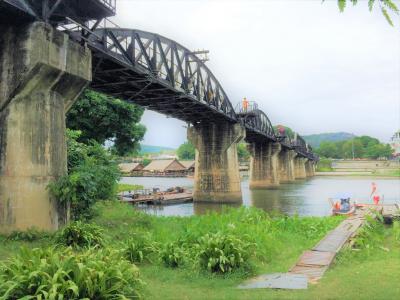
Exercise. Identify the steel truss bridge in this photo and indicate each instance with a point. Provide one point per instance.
(146, 68)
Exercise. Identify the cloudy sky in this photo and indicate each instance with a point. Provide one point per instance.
(307, 65)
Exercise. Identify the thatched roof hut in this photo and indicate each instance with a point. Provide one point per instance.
(189, 164)
(130, 167)
(167, 165)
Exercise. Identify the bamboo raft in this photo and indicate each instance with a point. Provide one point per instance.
(161, 198)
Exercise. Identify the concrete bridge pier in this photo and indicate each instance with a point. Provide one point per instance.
(42, 73)
(300, 167)
(310, 171)
(217, 177)
(264, 164)
(286, 165)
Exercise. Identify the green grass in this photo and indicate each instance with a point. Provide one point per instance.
(124, 187)
(370, 273)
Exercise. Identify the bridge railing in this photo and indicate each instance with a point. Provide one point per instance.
(246, 107)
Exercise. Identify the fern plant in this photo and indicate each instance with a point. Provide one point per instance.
(140, 248)
(54, 274)
(173, 255)
(222, 253)
(80, 235)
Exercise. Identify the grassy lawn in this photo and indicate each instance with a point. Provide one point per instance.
(373, 272)
(124, 187)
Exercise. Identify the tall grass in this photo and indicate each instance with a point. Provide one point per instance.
(273, 237)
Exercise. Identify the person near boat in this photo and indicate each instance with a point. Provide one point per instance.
(375, 195)
(342, 206)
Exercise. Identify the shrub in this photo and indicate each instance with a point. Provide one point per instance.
(140, 249)
(222, 252)
(93, 176)
(371, 235)
(80, 235)
(30, 235)
(52, 274)
(173, 255)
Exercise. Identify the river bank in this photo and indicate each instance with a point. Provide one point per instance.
(277, 241)
(365, 174)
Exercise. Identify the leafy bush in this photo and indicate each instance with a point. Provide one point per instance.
(30, 235)
(93, 176)
(222, 253)
(52, 274)
(140, 249)
(80, 235)
(173, 255)
(370, 235)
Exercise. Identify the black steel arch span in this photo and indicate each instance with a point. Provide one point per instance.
(155, 72)
(257, 125)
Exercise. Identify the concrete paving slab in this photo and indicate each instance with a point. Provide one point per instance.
(277, 281)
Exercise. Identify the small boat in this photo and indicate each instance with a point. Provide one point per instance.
(342, 207)
(339, 212)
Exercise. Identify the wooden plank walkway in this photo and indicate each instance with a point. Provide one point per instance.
(313, 263)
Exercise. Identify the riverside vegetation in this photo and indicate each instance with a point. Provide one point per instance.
(125, 254)
(111, 251)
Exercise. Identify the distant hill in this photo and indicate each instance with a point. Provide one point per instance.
(154, 149)
(315, 139)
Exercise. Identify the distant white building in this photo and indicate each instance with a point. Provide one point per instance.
(395, 143)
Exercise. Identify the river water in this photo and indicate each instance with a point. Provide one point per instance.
(304, 197)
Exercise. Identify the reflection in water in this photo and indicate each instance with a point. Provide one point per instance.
(305, 197)
(203, 208)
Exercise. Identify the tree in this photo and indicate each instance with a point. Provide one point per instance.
(360, 147)
(288, 131)
(384, 6)
(243, 152)
(92, 176)
(186, 151)
(353, 146)
(101, 118)
(328, 149)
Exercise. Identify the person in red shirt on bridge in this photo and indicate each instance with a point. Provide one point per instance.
(245, 104)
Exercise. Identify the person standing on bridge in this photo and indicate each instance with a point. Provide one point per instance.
(245, 104)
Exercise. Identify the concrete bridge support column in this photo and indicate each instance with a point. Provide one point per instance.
(286, 165)
(309, 168)
(216, 178)
(300, 167)
(42, 73)
(264, 164)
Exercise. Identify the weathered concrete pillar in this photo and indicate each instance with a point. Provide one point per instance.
(42, 73)
(309, 165)
(286, 165)
(300, 167)
(264, 164)
(216, 177)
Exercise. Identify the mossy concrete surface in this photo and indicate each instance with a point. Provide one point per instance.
(42, 73)
(217, 178)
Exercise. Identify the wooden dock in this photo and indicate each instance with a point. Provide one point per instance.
(313, 263)
(161, 199)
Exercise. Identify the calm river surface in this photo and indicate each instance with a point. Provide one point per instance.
(306, 197)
